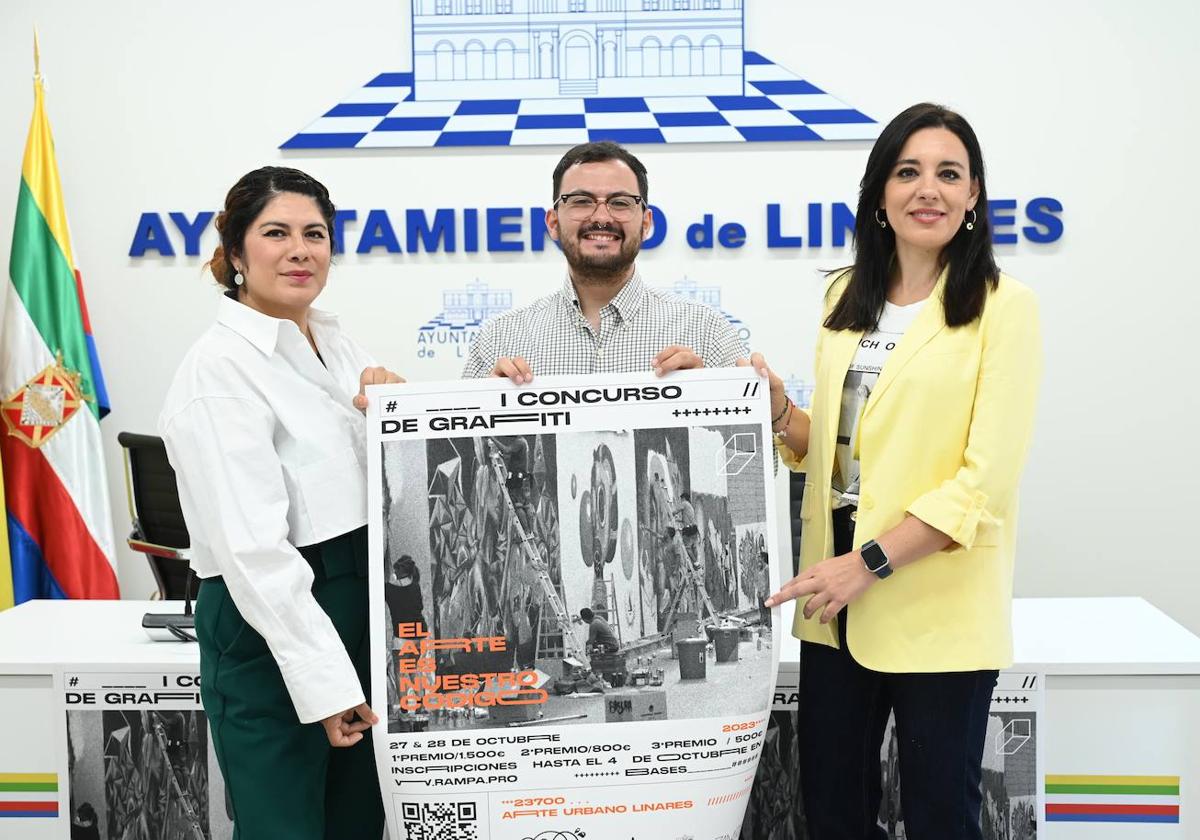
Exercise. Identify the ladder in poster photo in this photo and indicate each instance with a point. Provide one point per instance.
(550, 637)
(604, 593)
(571, 646)
(691, 579)
(549, 634)
(184, 800)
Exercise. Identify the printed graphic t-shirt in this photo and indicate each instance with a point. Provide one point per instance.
(873, 350)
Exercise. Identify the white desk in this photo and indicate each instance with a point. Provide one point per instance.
(1096, 636)
(38, 637)
(1122, 691)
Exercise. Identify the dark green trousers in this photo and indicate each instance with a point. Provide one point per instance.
(282, 777)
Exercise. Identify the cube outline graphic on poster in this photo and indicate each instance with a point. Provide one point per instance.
(739, 458)
(470, 497)
(1011, 734)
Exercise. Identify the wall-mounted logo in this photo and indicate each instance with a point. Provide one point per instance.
(709, 296)
(451, 331)
(562, 72)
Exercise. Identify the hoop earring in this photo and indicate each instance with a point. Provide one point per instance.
(238, 279)
(882, 222)
(971, 224)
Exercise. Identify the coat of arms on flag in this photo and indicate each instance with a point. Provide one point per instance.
(40, 407)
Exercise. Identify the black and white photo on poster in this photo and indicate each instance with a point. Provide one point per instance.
(774, 810)
(1012, 758)
(1010, 802)
(658, 533)
(138, 761)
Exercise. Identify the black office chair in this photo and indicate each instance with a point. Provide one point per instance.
(159, 531)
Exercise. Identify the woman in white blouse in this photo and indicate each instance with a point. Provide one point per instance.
(263, 427)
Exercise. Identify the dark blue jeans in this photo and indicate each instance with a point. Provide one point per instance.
(941, 723)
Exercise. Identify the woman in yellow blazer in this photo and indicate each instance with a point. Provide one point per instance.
(927, 368)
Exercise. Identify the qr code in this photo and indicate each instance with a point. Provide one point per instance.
(440, 820)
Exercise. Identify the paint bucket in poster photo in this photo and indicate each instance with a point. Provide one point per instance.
(725, 640)
(692, 664)
(687, 626)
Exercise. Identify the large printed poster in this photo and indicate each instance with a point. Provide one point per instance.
(138, 760)
(566, 579)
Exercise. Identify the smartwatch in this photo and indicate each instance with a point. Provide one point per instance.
(875, 559)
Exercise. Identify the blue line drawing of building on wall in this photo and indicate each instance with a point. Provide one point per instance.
(539, 49)
(451, 331)
(562, 72)
(471, 306)
(709, 296)
(800, 390)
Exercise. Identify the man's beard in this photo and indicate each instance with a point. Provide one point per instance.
(601, 269)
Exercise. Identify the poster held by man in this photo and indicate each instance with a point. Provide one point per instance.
(549, 560)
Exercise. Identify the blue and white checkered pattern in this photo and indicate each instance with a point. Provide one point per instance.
(440, 321)
(777, 106)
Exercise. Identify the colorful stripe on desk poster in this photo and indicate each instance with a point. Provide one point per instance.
(28, 795)
(1119, 799)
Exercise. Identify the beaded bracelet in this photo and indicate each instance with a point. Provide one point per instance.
(786, 420)
(787, 401)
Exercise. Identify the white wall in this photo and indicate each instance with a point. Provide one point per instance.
(162, 106)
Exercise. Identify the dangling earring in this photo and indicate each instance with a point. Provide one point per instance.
(971, 224)
(882, 222)
(238, 279)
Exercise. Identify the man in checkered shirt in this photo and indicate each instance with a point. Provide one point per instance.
(604, 319)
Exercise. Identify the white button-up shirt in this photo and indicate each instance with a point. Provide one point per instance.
(554, 337)
(270, 454)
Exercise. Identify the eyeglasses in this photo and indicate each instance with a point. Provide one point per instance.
(580, 206)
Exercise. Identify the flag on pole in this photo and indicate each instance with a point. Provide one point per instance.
(56, 497)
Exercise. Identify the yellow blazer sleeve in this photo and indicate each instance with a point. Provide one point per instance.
(1001, 421)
